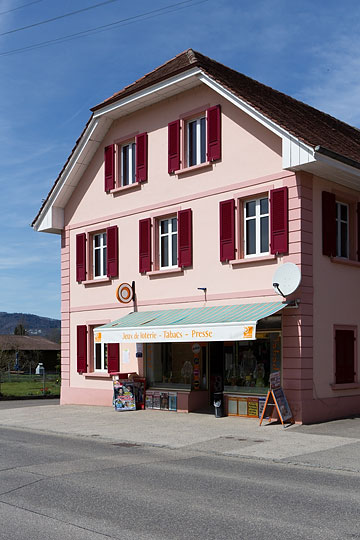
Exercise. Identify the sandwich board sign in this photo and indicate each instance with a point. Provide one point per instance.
(276, 400)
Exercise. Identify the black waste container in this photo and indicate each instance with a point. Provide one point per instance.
(219, 404)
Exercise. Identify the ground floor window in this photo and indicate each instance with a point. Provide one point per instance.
(100, 357)
(248, 364)
(173, 365)
(344, 356)
(235, 367)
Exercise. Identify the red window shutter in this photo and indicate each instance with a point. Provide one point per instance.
(344, 347)
(144, 245)
(109, 159)
(141, 157)
(112, 251)
(279, 220)
(329, 224)
(174, 146)
(185, 238)
(81, 257)
(113, 357)
(81, 344)
(358, 231)
(227, 230)
(214, 133)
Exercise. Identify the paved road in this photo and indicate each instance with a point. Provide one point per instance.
(56, 487)
(334, 445)
(26, 403)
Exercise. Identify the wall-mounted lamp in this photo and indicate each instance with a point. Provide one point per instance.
(204, 289)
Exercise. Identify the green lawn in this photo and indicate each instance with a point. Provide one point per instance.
(29, 385)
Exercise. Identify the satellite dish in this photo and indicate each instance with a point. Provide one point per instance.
(286, 279)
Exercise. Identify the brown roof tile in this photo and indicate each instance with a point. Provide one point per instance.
(308, 124)
(313, 127)
(26, 343)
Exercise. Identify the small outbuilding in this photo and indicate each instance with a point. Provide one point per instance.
(25, 352)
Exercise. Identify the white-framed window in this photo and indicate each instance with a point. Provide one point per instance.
(99, 255)
(100, 357)
(168, 243)
(127, 164)
(196, 141)
(342, 230)
(256, 227)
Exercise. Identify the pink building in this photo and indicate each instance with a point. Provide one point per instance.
(194, 185)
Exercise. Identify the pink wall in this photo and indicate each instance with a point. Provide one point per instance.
(297, 337)
(336, 302)
(251, 164)
(65, 311)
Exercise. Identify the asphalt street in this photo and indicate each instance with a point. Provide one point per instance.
(56, 487)
(75, 472)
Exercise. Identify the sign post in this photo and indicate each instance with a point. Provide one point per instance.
(276, 399)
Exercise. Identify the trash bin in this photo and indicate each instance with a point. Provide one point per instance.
(218, 404)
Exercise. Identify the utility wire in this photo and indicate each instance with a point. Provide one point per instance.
(122, 22)
(57, 18)
(20, 7)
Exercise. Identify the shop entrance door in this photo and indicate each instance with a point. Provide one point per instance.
(216, 369)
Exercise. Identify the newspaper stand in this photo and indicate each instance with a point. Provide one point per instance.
(276, 400)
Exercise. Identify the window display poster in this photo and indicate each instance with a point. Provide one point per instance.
(261, 405)
(124, 397)
(253, 407)
(233, 407)
(172, 401)
(242, 406)
(126, 356)
(275, 380)
(275, 352)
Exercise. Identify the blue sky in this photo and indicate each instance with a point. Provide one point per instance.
(306, 49)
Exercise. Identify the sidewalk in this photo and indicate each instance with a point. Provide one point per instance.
(332, 445)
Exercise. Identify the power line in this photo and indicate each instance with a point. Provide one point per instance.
(122, 22)
(58, 17)
(20, 7)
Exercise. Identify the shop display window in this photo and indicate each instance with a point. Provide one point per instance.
(171, 365)
(248, 364)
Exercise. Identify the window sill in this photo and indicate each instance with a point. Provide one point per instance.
(96, 281)
(124, 189)
(345, 386)
(250, 260)
(169, 388)
(193, 168)
(98, 375)
(165, 272)
(347, 262)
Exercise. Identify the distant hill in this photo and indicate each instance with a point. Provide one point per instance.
(33, 324)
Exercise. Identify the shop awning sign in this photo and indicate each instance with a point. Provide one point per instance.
(215, 323)
(178, 334)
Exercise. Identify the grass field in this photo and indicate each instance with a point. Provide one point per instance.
(22, 385)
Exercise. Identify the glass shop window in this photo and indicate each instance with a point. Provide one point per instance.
(248, 364)
(171, 365)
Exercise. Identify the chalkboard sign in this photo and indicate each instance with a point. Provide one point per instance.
(276, 399)
(282, 406)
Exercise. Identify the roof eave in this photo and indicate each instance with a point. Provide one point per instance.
(50, 220)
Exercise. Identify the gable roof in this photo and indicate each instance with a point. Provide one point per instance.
(10, 342)
(306, 123)
(320, 132)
